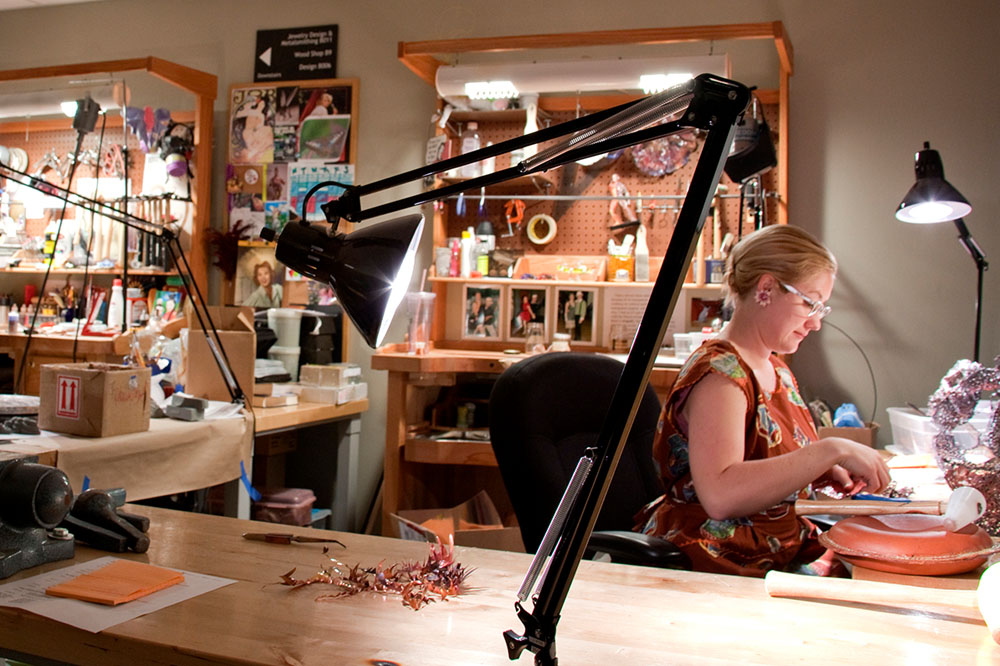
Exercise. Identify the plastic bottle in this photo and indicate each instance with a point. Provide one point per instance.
(466, 259)
(116, 306)
(641, 255)
(4, 313)
(470, 143)
(490, 163)
(530, 104)
(456, 259)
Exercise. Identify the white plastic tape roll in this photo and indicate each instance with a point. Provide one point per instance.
(532, 229)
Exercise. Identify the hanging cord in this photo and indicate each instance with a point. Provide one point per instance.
(90, 237)
(48, 269)
(871, 373)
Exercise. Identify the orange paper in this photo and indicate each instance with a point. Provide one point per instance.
(116, 583)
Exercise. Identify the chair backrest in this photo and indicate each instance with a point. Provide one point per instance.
(544, 412)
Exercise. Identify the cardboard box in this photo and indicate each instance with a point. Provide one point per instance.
(94, 399)
(866, 436)
(336, 374)
(239, 341)
(473, 523)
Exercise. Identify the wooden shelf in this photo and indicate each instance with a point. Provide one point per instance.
(449, 451)
(542, 181)
(92, 271)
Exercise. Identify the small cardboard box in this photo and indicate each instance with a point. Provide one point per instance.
(866, 436)
(336, 374)
(473, 523)
(93, 399)
(239, 341)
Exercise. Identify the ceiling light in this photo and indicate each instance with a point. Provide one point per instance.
(508, 80)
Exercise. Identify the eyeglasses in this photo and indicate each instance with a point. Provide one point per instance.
(816, 308)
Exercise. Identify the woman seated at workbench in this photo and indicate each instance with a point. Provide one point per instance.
(736, 445)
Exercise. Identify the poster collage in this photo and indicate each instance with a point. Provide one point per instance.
(509, 312)
(284, 139)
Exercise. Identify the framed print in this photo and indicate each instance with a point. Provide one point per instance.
(259, 278)
(251, 129)
(482, 312)
(575, 308)
(526, 306)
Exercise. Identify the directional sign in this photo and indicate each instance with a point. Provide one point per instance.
(67, 396)
(290, 54)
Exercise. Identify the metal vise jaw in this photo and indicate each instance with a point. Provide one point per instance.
(34, 499)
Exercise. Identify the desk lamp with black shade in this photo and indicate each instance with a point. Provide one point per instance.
(933, 199)
(708, 103)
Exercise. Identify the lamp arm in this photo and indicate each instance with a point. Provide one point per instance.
(717, 109)
(171, 241)
(593, 134)
(971, 245)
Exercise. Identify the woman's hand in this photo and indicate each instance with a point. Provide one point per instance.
(864, 467)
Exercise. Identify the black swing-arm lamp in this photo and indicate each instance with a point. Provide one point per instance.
(933, 199)
(708, 103)
(170, 240)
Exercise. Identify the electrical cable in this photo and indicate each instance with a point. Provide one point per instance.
(871, 372)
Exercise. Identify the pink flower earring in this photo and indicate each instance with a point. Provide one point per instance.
(763, 297)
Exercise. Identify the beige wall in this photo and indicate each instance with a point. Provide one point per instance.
(872, 81)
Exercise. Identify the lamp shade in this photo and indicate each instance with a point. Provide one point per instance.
(369, 269)
(932, 198)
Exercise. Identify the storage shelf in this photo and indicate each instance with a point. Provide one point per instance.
(542, 181)
(92, 271)
(449, 451)
(562, 283)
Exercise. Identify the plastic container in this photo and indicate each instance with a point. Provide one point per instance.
(289, 357)
(286, 323)
(116, 306)
(913, 433)
(420, 308)
(290, 506)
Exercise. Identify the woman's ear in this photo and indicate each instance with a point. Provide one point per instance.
(767, 282)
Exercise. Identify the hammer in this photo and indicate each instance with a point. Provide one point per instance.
(985, 599)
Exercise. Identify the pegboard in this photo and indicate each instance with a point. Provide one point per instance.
(61, 143)
(583, 225)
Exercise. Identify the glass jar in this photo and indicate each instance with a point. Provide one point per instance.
(534, 337)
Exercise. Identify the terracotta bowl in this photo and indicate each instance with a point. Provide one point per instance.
(908, 543)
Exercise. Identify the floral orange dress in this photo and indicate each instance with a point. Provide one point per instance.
(775, 423)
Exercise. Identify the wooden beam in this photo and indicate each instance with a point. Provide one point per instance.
(595, 38)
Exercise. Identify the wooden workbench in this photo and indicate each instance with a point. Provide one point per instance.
(58, 349)
(614, 614)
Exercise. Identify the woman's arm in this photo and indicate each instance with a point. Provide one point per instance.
(729, 486)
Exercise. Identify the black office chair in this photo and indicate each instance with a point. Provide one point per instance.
(544, 413)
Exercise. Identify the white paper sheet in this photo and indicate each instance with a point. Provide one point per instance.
(29, 594)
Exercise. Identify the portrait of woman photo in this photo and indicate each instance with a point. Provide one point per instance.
(527, 305)
(268, 292)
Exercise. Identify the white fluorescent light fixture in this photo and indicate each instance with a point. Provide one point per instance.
(505, 81)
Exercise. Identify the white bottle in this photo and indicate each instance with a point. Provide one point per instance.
(116, 306)
(466, 254)
(470, 143)
(641, 255)
(530, 103)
